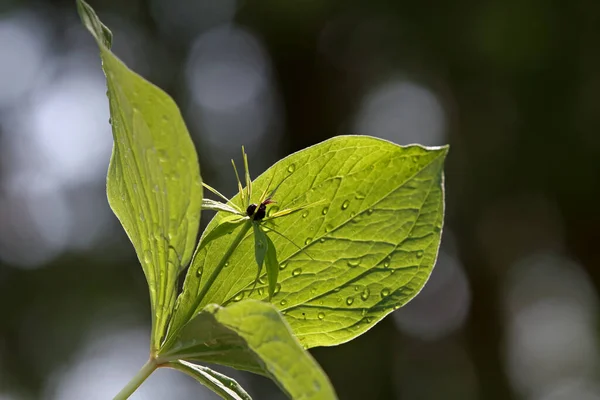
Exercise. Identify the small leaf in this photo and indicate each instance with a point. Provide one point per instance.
(153, 183)
(272, 266)
(208, 204)
(368, 241)
(260, 246)
(221, 384)
(251, 335)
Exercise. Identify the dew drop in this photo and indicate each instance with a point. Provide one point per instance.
(262, 280)
(345, 204)
(386, 262)
(356, 288)
(296, 272)
(337, 289)
(305, 214)
(365, 294)
(261, 291)
(321, 315)
(308, 240)
(325, 210)
(313, 290)
(352, 214)
(349, 301)
(291, 168)
(282, 266)
(364, 312)
(360, 196)
(199, 272)
(238, 296)
(368, 319)
(110, 121)
(328, 228)
(277, 289)
(385, 292)
(354, 263)
(370, 211)
(283, 302)
(226, 264)
(322, 240)
(420, 253)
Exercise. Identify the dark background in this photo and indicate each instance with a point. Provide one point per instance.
(511, 309)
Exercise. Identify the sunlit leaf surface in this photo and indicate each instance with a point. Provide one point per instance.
(153, 183)
(365, 247)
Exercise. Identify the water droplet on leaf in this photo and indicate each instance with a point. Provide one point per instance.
(283, 302)
(385, 292)
(325, 210)
(321, 315)
(386, 262)
(365, 294)
(291, 168)
(307, 241)
(282, 266)
(354, 263)
(345, 204)
(277, 289)
(238, 296)
(305, 214)
(349, 301)
(420, 253)
(296, 272)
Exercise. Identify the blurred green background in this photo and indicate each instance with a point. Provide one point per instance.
(511, 309)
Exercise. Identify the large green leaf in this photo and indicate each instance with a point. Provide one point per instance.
(366, 248)
(153, 183)
(252, 335)
(221, 384)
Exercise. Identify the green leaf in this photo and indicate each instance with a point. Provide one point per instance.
(272, 265)
(367, 247)
(252, 336)
(208, 204)
(153, 182)
(221, 384)
(260, 247)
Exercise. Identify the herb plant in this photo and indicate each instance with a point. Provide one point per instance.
(348, 231)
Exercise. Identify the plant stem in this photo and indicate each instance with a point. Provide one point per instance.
(137, 380)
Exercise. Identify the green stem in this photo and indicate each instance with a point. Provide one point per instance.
(137, 380)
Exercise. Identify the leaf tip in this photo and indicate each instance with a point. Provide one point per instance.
(90, 19)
